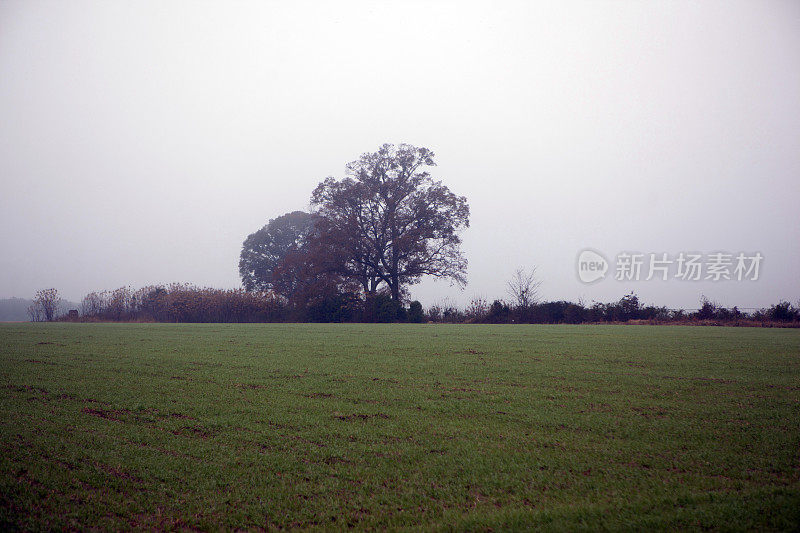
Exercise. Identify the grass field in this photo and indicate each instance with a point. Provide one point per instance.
(275, 426)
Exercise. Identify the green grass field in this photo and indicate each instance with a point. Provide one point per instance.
(275, 426)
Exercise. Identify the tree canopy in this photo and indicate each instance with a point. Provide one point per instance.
(382, 227)
(263, 250)
(391, 221)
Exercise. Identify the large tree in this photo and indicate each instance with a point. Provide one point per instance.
(263, 250)
(391, 222)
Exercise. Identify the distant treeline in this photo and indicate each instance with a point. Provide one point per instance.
(14, 309)
(627, 309)
(18, 309)
(188, 303)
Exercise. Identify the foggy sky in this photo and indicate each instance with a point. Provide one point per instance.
(141, 142)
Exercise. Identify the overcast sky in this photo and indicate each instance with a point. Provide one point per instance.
(141, 142)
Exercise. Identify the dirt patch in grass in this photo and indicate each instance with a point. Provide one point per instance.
(194, 431)
(333, 460)
(45, 395)
(181, 416)
(651, 412)
(27, 388)
(638, 465)
(308, 441)
(67, 396)
(107, 414)
(319, 395)
(118, 473)
(352, 417)
(358, 401)
(126, 415)
(597, 408)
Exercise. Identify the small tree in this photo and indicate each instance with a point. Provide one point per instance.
(119, 303)
(477, 309)
(35, 313)
(708, 309)
(46, 305)
(524, 288)
(629, 307)
(92, 305)
(435, 313)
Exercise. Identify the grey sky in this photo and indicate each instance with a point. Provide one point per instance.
(141, 142)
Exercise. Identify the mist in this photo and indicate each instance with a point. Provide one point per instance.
(140, 143)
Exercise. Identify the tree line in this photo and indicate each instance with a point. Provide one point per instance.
(188, 303)
(627, 309)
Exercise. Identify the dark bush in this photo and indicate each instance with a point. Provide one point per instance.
(573, 313)
(415, 313)
(707, 311)
(499, 313)
(332, 308)
(381, 308)
(783, 312)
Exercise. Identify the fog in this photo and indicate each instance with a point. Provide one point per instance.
(141, 142)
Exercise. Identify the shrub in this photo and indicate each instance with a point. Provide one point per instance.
(415, 313)
(707, 311)
(783, 312)
(477, 310)
(499, 312)
(381, 308)
(333, 308)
